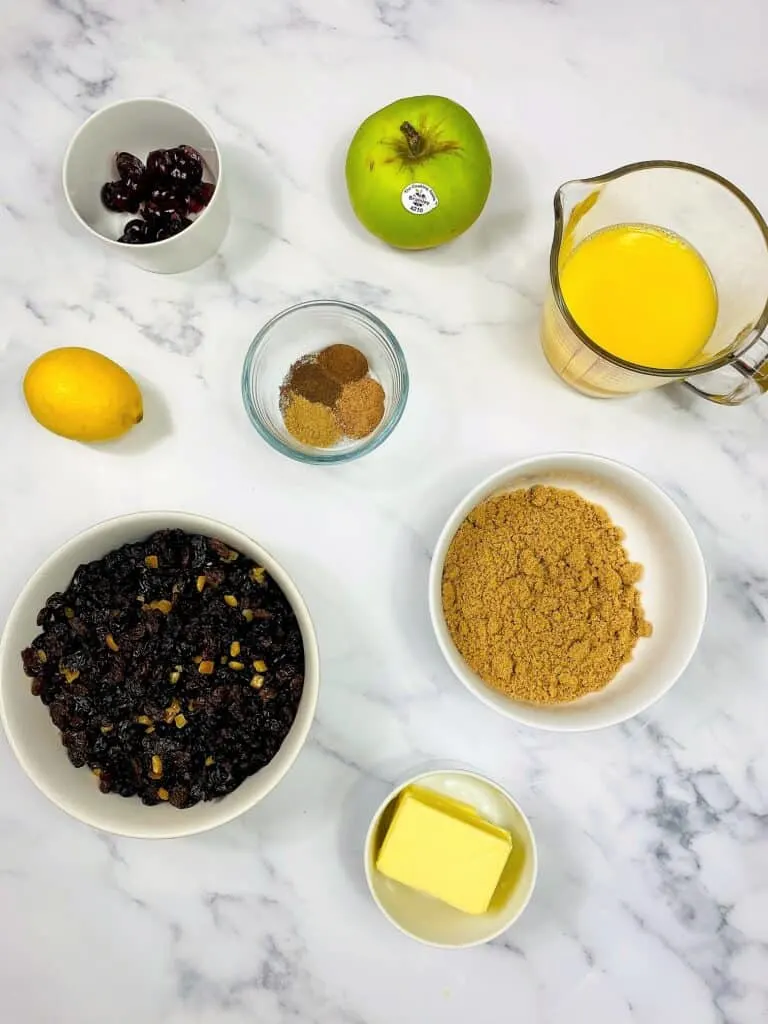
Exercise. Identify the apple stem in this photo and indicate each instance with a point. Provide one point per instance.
(413, 138)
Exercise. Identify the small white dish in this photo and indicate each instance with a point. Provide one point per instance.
(673, 588)
(138, 126)
(35, 740)
(430, 920)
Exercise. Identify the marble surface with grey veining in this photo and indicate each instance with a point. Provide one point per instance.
(652, 902)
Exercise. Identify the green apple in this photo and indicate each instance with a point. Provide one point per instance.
(418, 172)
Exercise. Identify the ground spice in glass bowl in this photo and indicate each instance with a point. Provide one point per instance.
(318, 411)
(359, 408)
(344, 363)
(308, 379)
(312, 423)
(316, 351)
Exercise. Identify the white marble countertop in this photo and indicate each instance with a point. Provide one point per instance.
(652, 903)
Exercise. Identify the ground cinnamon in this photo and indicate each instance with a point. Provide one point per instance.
(539, 595)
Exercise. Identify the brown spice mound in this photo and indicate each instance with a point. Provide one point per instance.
(310, 422)
(344, 363)
(539, 595)
(360, 407)
(309, 380)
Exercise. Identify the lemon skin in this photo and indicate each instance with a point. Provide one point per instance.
(82, 395)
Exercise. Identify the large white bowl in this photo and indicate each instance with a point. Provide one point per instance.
(673, 587)
(37, 743)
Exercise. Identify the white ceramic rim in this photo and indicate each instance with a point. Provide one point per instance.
(478, 494)
(218, 813)
(371, 834)
(147, 246)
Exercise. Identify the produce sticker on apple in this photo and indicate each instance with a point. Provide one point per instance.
(419, 198)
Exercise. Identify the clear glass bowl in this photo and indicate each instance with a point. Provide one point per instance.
(308, 327)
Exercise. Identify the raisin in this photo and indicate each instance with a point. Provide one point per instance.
(179, 796)
(30, 659)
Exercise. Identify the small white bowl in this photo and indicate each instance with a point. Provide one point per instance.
(430, 920)
(36, 742)
(138, 126)
(673, 587)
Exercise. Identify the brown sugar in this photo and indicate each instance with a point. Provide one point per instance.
(360, 407)
(539, 595)
(310, 422)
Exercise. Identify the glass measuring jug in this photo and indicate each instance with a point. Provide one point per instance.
(727, 231)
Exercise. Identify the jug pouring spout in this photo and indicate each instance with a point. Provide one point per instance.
(658, 273)
(573, 201)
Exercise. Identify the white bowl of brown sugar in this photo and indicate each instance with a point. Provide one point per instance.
(568, 592)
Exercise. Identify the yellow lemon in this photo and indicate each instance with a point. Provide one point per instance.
(82, 395)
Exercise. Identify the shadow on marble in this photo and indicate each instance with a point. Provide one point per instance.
(526, 356)
(298, 805)
(562, 885)
(153, 429)
(63, 220)
(683, 400)
(430, 426)
(504, 217)
(409, 601)
(357, 810)
(254, 209)
(63, 216)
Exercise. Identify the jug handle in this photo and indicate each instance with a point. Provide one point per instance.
(753, 367)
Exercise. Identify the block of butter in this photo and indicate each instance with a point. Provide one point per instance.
(444, 848)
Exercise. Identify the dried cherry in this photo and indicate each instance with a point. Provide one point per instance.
(120, 197)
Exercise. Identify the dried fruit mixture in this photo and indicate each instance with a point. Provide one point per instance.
(173, 668)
